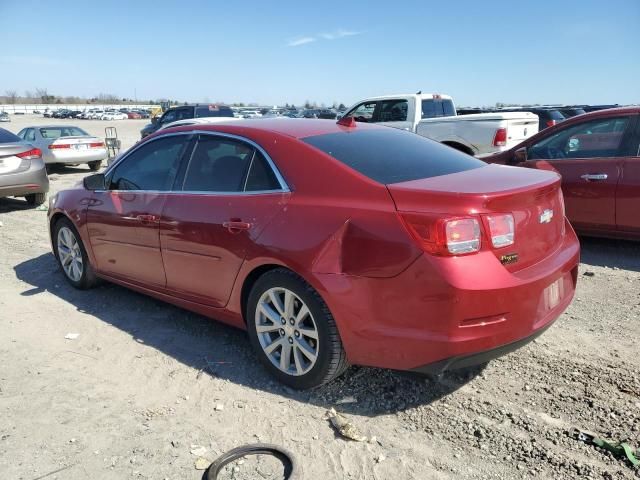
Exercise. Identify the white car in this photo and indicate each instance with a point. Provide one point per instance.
(434, 116)
(95, 115)
(250, 114)
(114, 116)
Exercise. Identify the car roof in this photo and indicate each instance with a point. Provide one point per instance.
(292, 127)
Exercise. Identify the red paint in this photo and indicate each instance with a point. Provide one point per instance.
(396, 305)
(606, 207)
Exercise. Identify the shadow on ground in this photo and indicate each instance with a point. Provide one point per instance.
(603, 252)
(222, 351)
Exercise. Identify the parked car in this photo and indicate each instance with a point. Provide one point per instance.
(133, 115)
(434, 116)
(250, 114)
(548, 117)
(310, 113)
(4, 117)
(65, 144)
(96, 115)
(569, 112)
(417, 257)
(74, 114)
(47, 113)
(327, 114)
(22, 170)
(113, 115)
(142, 113)
(62, 113)
(598, 156)
(185, 112)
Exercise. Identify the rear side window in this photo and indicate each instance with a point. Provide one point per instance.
(393, 111)
(213, 111)
(7, 137)
(432, 108)
(555, 115)
(389, 155)
(151, 167)
(30, 135)
(220, 164)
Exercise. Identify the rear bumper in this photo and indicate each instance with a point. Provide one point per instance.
(73, 156)
(478, 358)
(442, 310)
(34, 180)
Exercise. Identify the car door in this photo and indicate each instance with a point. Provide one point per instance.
(628, 193)
(588, 156)
(230, 191)
(124, 220)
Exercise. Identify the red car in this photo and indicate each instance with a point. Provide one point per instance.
(134, 115)
(598, 156)
(331, 243)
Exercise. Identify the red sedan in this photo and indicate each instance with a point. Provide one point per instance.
(598, 156)
(331, 243)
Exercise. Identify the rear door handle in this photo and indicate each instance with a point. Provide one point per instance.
(236, 226)
(594, 177)
(147, 218)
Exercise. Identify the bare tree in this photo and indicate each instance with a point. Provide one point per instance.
(43, 95)
(11, 95)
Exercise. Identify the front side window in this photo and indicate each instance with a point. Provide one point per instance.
(220, 164)
(169, 116)
(393, 111)
(363, 112)
(151, 167)
(593, 139)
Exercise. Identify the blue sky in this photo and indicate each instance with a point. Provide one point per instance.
(480, 52)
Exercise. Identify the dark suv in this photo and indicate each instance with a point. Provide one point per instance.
(185, 112)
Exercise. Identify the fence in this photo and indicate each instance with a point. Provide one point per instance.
(20, 108)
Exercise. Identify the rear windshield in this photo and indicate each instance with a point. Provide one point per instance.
(389, 155)
(7, 137)
(213, 111)
(437, 108)
(57, 132)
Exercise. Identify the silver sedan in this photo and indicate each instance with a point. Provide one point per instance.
(22, 171)
(66, 144)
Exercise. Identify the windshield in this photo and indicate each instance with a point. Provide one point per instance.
(57, 132)
(388, 155)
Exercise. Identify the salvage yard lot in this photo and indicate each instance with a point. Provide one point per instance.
(144, 381)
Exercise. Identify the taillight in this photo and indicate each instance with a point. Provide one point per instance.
(500, 138)
(96, 145)
(501, 229)
(30, 154)
(444, 236)
(551, 123)
(56, 146)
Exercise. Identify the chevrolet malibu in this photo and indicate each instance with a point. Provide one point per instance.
(330, 243)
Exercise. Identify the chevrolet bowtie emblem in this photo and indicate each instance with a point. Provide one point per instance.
(546, 216)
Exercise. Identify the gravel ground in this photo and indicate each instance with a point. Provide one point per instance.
(146, 384)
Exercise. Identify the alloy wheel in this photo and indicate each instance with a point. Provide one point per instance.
(70, 254)
(287, 331)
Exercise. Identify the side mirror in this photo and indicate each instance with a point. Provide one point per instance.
(95, 182)
(520, 155)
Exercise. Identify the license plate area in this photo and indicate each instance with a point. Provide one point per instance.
(553, 294)
(81, 146)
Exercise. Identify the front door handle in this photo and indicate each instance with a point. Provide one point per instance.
(594, 177)
(147, 218)
(236, 226)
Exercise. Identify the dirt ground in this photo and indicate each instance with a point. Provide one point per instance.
(145, 384)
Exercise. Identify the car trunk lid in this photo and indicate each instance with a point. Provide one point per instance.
(533, 197)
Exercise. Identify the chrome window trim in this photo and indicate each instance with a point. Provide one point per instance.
(284, 187)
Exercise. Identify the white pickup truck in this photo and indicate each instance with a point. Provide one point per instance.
(434, 116)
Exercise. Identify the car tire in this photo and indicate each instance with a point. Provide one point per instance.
(36, 199)
(309, 339)
(95, 165)
(86, 277)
